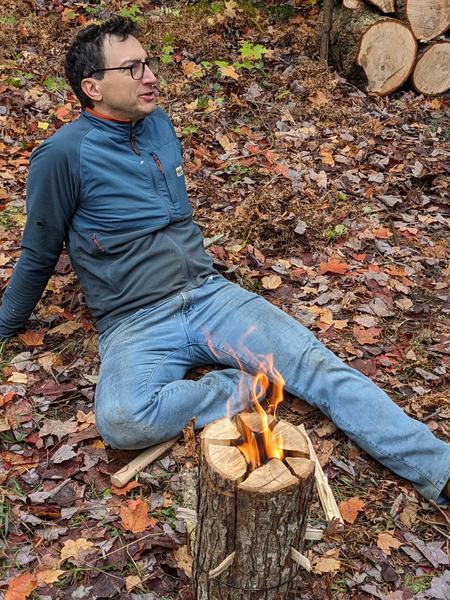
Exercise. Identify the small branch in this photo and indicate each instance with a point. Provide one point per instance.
(326, 29)
(222, 567)
(300, 559)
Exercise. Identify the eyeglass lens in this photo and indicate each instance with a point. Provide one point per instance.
(137, 71)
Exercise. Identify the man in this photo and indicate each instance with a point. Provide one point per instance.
(110, 185)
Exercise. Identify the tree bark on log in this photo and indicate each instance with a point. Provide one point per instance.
(427, 18)
(431, 74)
(371, 50)
(247, 526)
(386, 6)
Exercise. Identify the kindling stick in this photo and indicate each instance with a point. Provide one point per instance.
(123, 476)
(326, 495)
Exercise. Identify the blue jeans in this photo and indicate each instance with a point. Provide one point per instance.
(142, 398)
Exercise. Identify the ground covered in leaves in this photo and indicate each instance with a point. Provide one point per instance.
(331, 204)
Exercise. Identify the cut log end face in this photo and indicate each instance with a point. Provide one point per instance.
(432, 71)
(226, 459)
(428, 18)
(386, 6)
(387, 54)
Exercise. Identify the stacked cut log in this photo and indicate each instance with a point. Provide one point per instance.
(379, 44)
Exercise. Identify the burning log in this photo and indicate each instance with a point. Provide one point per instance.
(255, 484)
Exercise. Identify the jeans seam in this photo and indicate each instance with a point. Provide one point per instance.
(159, 363)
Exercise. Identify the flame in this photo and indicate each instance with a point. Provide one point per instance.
(259, 446)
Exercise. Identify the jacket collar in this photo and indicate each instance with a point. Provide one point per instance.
(116, 128)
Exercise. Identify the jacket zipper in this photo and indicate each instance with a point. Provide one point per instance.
(158, 163)
(133, 141)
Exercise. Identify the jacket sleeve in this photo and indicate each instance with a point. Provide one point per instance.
(52, 196)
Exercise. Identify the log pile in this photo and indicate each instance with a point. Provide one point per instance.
(379, 44)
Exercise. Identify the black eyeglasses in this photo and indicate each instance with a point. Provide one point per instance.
(137, 68)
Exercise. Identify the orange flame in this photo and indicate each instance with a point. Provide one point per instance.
(259, 446)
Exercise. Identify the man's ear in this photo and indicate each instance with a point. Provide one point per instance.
(92, 88)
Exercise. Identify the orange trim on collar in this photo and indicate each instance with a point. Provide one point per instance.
(106, 117)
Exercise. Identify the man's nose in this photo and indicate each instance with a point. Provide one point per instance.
(148, 76)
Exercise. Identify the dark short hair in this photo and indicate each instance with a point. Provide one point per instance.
(85, 55)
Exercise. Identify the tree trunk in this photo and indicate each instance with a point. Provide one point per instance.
(431, 74)
(386, 6)
(248, 525)
(372, 51)
(427, 18)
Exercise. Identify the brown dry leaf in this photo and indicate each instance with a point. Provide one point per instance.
(271, 282)
(328, 563)
(325, 452)
(386, 541)
(4, 259)
(32, 338)
(327, 157)
(404, 303)
(326, 428)
(49, 576)
(85, 419)
(65, 328)
(135, 516)
(48, 361)
(123, 491)
(58, 428)
(408, 515)
(366, 336)
(184, 559)
(191, 69)
(73, 548)
(382, 233)
(229, 71)
(131, 582)
(227, 145)
(18, 378)
(350, 509)
(339, 268)
(20, 587)
(318, 98)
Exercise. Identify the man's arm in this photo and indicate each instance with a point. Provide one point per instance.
(52, 193)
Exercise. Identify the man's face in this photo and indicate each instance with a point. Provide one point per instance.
(121, 96)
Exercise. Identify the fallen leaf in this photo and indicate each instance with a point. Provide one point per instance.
(123, 491)
(32, 338)
(191, 69)
(65, 328)
(386, 541)
(366, 336)
(382, 233)
(135, 516)
(49, 576)
(18, 378)
(328, 563)
(131, 582)
(58, 428)
(184, 559)
(318, 98)
(63, 453)
(334, 267)
(229, 71)
(271, 282)
(88, 418)
(350, 509)
(20, 587)
(73, 548)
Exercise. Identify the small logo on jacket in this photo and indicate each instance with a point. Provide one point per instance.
(179, 171)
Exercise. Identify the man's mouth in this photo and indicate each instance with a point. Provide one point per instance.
(149, 96)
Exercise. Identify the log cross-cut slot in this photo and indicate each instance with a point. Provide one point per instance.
(250, 523)
(387, 53)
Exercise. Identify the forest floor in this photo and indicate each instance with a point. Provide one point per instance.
(331, 204)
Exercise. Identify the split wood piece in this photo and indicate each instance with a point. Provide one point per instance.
(354, 4)
(386, 6)
(228, 461)
(431, 74)
(259, 519)
(253, 422)
(374, 52)
(427, 18)
(324, 490)
(123, 475)
(291, 439)
(222, 432)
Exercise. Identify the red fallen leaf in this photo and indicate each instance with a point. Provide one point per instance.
(32, 338)
(63, 113)
(350, 508)
(123, 491)
(334, 267)
(366, 336)
(395, 271)
(382, 233)
(135, 516)
(6, 398)
(21, 587)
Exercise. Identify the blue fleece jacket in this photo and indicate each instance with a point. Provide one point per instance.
(115, 194)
